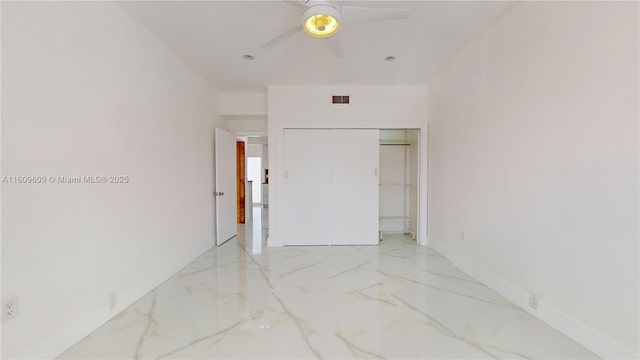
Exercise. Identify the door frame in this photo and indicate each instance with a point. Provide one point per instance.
(276, 150)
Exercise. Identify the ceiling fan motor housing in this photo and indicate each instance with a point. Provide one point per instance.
(321, 11)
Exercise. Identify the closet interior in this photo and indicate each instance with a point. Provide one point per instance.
(398, 181)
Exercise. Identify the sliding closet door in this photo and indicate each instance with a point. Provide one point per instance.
(355, 186)
(306, 207)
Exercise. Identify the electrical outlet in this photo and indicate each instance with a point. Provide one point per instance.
(533, 302)
(9, 309)
(113, 301)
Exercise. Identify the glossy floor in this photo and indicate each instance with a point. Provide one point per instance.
(396, 300)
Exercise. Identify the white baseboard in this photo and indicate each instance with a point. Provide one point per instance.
(58, 343)
(588, 337)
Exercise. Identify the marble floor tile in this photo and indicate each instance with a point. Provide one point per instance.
(395, 300)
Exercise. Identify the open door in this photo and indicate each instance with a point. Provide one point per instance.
(225, 185)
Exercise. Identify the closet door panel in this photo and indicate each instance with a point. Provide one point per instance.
(306, 207)
(355, 187)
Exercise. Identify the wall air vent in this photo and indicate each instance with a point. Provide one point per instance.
(340, 99)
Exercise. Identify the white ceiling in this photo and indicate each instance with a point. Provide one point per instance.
(213, 36)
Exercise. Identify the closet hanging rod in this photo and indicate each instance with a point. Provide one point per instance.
(395, 144)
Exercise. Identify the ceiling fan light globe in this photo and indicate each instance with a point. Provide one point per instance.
(321, 20)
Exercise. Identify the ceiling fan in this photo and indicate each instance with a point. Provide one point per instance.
(323, 18)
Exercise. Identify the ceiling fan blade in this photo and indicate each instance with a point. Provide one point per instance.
(301, 4)
(356, 14)
(336, 46)
(282, 37)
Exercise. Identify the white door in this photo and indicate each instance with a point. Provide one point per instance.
(306, 203)
(355, 186)
(225, 185)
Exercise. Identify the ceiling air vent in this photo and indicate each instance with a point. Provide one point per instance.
(340, 99)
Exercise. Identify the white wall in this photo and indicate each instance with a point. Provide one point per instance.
(534, 155)
(370, 107)
(243, 104)
(247, 126)
(89, 91)
(254, 150)
(245, 113)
